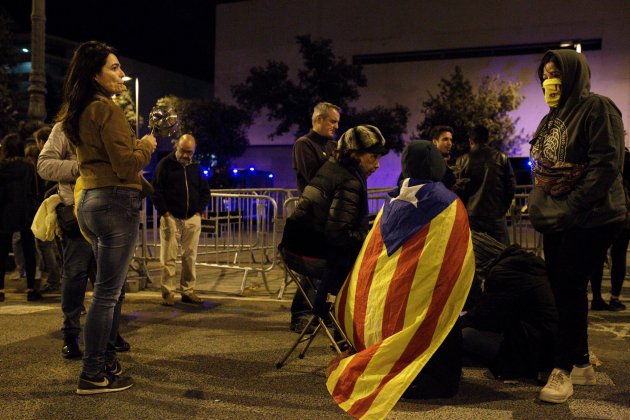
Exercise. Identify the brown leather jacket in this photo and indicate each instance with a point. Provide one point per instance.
(109, 153)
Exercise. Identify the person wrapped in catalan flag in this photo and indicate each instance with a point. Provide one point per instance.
(405, 292)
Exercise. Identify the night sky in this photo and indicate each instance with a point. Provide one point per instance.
(177, 38)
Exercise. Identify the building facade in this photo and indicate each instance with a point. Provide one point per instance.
(407, 46)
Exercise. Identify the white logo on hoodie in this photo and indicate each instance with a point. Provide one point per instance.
(554, 142)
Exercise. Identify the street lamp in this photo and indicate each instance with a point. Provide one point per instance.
(137, 94)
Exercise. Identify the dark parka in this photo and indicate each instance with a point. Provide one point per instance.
(517, 302)
(585, 129)
(18, 194)
(178, 189)
(331, 218)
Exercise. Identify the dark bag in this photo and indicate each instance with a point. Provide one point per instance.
(66, 219)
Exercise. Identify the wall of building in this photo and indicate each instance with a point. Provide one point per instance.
(249, 33)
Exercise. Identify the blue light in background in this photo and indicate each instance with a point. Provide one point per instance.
(251, 169)
(529, 163)
(205, 172)
(235, 171)
(270, 175)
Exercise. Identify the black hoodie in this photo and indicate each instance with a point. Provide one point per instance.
(583, 139)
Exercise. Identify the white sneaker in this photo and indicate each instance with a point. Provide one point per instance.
(558, 389)
(583, 376)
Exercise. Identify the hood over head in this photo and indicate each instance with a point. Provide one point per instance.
(576, 74)
(422, 160)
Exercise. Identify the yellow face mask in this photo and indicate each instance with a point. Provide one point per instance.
(552, 88)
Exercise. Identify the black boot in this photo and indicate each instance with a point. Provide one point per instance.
(70, 349)
(121, 344)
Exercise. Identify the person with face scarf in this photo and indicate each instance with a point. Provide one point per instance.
(180, 195)
(577, 203)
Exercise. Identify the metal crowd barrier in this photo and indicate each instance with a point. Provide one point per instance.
(521, 230)
(242, 227)
(238, 232)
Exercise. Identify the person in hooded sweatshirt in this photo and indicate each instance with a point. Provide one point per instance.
(577, 203)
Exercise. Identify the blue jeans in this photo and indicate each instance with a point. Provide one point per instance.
(109, 217)
(78, 265)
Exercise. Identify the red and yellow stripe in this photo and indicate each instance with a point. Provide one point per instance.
(398, 310)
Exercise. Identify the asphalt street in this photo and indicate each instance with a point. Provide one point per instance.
(217, 361)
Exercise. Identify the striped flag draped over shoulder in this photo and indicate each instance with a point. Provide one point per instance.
(403, 296)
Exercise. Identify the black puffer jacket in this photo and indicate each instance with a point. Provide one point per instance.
(490, 188)
(331, 217)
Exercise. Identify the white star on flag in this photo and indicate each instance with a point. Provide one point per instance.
(408, 193)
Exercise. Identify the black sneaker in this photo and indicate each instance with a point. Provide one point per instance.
(70, 349)
(115, 368)
(33, 295)
(121, 344)
(102, 383)
(615, 305)
(599, 305)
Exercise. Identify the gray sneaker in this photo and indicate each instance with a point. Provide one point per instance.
(558, 389)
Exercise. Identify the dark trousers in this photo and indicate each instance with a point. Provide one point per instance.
(48, 264)
(441, 375)
(299, 307)
(28, 246)
(78, 265)
(618, 251)
(313, 270)
(570, 258)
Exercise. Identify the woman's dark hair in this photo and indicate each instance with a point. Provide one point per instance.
(79, 85)
(548, 57)
(11, 146)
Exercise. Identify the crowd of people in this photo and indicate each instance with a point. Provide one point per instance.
(524, 317)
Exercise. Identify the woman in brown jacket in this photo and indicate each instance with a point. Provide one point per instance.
(110, 160)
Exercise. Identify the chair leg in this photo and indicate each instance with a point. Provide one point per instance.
(303, 337)
(320, 324)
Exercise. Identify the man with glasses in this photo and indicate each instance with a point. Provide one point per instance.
(181, 195)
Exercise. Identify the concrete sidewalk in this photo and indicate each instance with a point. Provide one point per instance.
(217, 361)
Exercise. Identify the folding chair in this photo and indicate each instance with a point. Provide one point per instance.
(308, 269)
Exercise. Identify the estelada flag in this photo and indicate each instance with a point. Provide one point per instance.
(402, 297)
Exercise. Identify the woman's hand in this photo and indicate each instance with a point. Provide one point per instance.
(150, 138)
